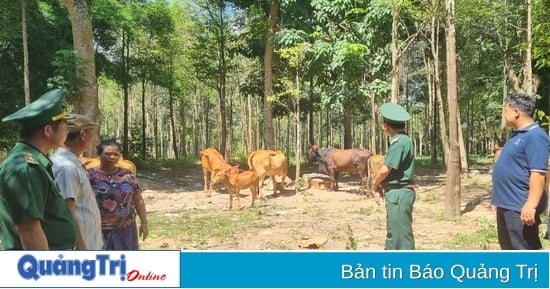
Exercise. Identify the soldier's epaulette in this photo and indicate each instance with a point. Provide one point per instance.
(29, 158)
(395, 139)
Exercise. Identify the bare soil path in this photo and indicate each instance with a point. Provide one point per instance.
(318, 218)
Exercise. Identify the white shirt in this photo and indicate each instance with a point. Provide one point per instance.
(72, 178)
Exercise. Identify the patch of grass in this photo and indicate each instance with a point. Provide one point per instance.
(366, 211)
(430, 197)
(200, 226)
(482, 159)
(441, 216)
(351, 243)
(483, 238)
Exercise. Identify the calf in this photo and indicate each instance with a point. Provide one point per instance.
(212, 162)
(235, 181)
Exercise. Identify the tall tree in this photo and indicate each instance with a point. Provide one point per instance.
(86, 102)
(268, 75)
(452, 189)
(25, 52)
(525, 80)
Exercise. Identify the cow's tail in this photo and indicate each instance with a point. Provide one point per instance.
(250, 164)
(370, 170)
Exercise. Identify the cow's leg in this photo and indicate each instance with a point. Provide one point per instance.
(260, 184)
(230, 199)
(211, 184)
(335, 185)
(205, 174)
(238, 191)
(252, 191)
(275, 185)
(363, 184)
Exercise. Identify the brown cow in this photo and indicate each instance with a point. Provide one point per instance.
(212, 162)
(333, 161)
(236, 180)
(122, 163)
(269, 163)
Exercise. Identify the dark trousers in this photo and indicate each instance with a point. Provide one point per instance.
(399, 208)
(514, 235)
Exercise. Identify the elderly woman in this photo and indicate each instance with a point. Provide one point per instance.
(119, 198)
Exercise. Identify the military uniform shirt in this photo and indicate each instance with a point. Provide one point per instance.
(400, 157)
(29, 191)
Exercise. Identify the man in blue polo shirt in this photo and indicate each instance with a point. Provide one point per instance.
(519, 177)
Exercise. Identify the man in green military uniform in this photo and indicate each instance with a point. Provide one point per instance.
(33, 213)
(394, 181)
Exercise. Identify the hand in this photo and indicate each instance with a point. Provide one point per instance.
(143, 231)
(376, 188)
(378, 198)
(527, 215)
(80, 245)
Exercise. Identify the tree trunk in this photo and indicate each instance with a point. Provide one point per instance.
(526, 81)
(172, 136)
(86, 102)
(461, 144)
(452, 190)
(395, 53)
(268, 76)
(250, 131)
(440, 104)
(221, 84)
(431, 107)
(298, 134)
(25, 52)
(126, 89)
(143, 120)
(83, 41)
(347, 126)
(310, 116)
(373, 125)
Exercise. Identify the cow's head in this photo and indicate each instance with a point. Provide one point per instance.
(313, 154)
(219, 176)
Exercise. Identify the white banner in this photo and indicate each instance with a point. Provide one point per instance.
(105, 269)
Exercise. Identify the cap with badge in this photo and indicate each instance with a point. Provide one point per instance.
(394, 113)
(45, 109)
(78, 122)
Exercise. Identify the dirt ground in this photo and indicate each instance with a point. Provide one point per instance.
(317, 217)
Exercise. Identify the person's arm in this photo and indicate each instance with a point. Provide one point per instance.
(80, 244)
(378, 179)
(140, 209)
(537, 182)
(31, 235)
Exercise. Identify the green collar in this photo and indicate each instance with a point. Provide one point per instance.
(34, 155)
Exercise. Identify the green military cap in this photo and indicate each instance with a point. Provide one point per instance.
(394, 113)
(45, 109)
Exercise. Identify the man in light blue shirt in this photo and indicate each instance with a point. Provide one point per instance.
(73, 181)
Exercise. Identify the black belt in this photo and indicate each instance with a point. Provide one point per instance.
(399, 186)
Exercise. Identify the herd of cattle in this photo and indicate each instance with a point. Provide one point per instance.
(273, 163)
(261, 163)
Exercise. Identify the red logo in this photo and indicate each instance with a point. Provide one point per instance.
(135, 275)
